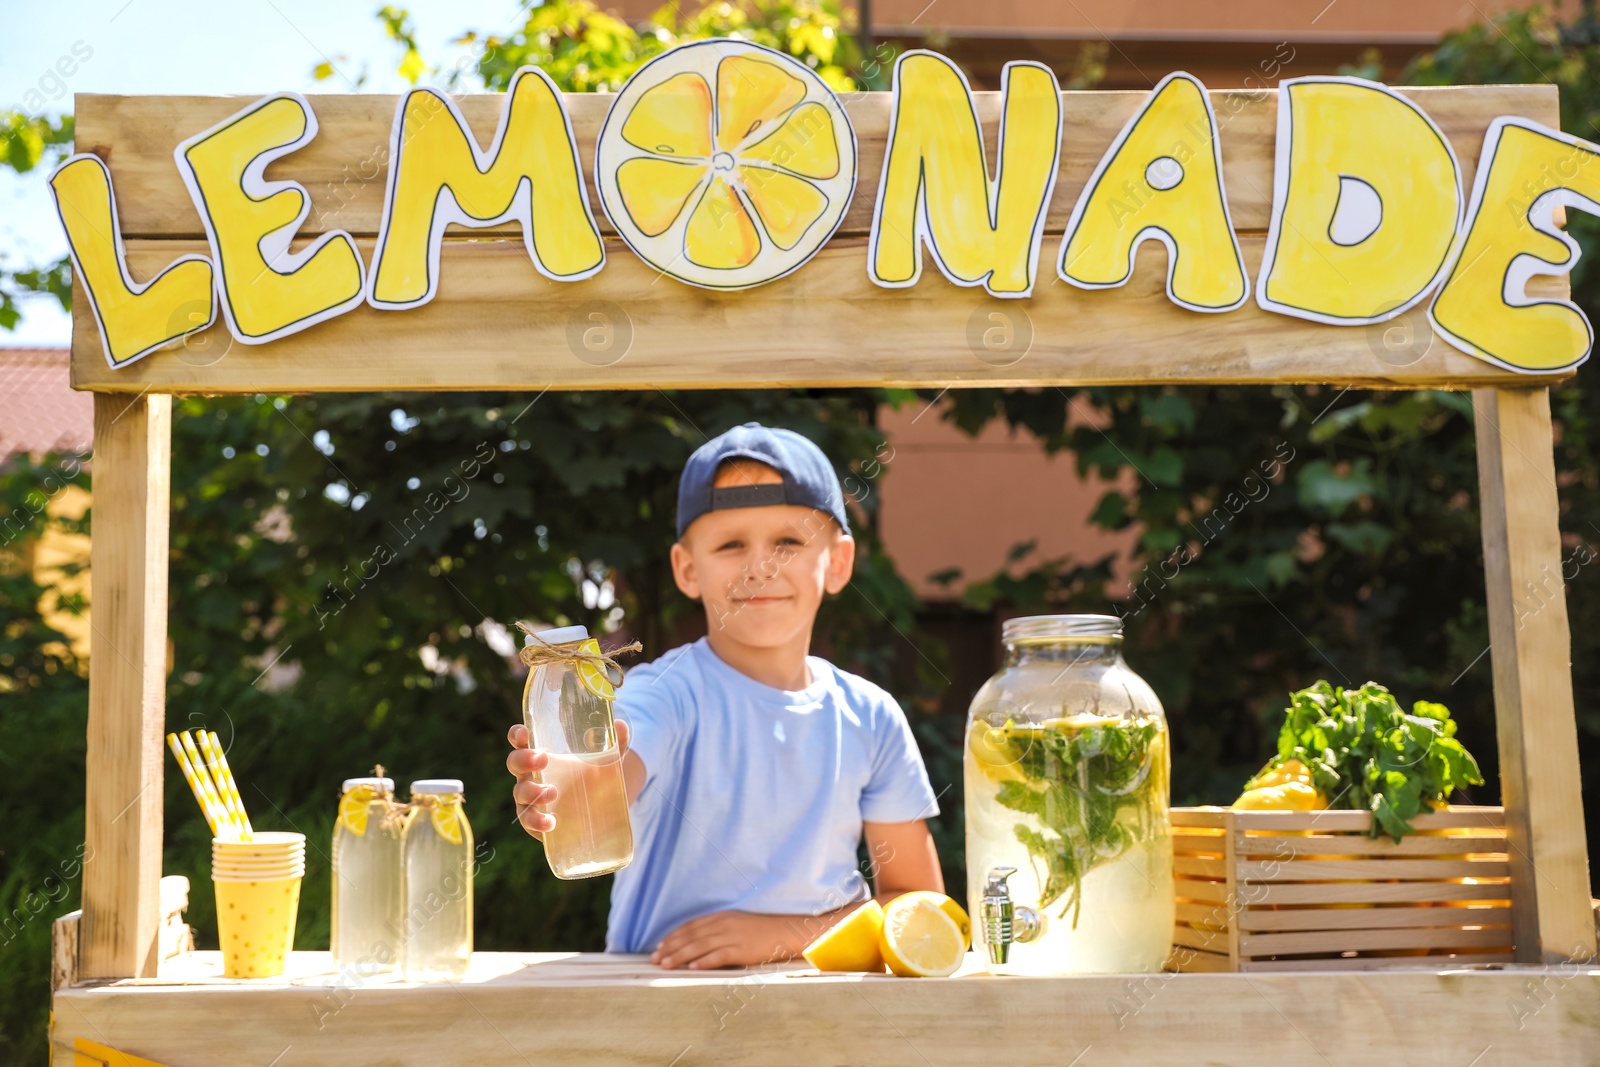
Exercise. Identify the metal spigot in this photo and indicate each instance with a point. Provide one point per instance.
(1003, 921)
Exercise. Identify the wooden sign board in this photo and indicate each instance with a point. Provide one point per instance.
(498, 324)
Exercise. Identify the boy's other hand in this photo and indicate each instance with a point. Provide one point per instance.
(528, 795)
(733, 939)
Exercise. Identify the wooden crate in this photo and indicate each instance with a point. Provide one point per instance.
(1280, 891)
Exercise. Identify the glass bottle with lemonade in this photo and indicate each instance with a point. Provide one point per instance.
(566, 706)
(368, 898)
(437, 850)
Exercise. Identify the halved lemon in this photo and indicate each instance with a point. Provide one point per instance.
(851, 944)
(725, 164)
(957, 913)
(593, 675)
(447, 821)
(920, 939)
(353, 807)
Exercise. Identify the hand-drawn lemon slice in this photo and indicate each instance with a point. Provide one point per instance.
(725, 164)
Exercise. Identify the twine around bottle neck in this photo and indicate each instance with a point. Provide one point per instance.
(539, 653)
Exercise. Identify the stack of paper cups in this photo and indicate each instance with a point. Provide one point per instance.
(258, 895)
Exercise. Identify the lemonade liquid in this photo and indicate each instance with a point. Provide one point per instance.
(438, 861)
(368, 897)
(566, 707)
(1079, 807)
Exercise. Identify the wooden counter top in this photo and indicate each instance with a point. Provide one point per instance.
(590, 1008)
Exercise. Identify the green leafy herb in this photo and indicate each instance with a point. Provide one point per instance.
(1081, 781)
(1366, 754)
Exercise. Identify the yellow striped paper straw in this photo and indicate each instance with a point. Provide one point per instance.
(194, 783)
(213, 748)
(227, 829)
(203, 741)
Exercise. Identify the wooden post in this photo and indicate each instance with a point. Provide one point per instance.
(127, 687)
(1532, 657)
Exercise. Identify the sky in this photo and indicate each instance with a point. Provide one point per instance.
(246, 47)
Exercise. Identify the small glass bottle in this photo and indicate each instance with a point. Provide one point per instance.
(567, 710)
(1069, 848)
(368, 902)
(437, 852)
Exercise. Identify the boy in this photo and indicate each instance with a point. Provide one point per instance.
(752, 768)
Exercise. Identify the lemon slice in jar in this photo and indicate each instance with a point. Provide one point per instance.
(353, 808)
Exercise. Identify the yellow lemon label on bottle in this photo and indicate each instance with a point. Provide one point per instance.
(725, 164)
(594, 674)
(353, 807)
(447, 821)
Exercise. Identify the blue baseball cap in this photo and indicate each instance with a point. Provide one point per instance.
(808, 477)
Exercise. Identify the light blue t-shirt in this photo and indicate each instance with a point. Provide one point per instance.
(754, 797)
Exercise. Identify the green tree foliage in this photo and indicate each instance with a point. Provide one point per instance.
(43, 695)
(27, 143)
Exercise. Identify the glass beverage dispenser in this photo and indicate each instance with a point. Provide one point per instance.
(1069, 850)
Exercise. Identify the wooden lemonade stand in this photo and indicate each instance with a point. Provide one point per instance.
(496, 324)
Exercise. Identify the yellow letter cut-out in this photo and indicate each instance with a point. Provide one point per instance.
(935, 188)
(267, 291)
(1525, 171)
(134, 319)
(1366, 199)
(439, 175)
(1160, 180)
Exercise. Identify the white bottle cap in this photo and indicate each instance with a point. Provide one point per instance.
(385, 784)
(437, 786)
(561, 635)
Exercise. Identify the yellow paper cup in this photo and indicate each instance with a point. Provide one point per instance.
(256, 874)
(267, 843)
(255, 924)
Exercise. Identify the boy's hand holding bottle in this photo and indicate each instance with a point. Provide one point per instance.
(524, 762)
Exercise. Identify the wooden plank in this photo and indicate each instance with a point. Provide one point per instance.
(1200, 867)
(64, 950)
(1203, 915)
(1362, 870)
(127, 687)
(346, 168)
(1374, 893)
(1531, 652)
(1251, 945)
(1193, 961)
(1353, 845)
(1433, 961)
(498, 324)
(511, 1015)
(1207, 940)
(1259, 920)
(1477, 816)
(1191, 889)
(1198, 818)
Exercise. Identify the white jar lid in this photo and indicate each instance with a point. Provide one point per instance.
(561, 635)
(437, 786)
(385, 784)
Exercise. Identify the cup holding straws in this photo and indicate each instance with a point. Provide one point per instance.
(256, 875)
